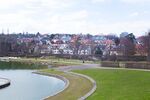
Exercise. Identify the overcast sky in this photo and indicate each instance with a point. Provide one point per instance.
(75, 16)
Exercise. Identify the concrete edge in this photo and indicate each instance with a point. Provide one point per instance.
(91, 91)
(66, 81)
(5, 84)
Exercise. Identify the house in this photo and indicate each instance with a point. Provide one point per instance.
(37, 49)
(56, 51)
(84, 50)
(63, 46)
(45, 49)
(68, 51)
(99, 39)
(65, 38)
(123, 34)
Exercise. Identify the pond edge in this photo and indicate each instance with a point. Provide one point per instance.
(66, 81)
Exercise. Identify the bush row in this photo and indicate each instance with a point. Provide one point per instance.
(20, 65)
(138, 65)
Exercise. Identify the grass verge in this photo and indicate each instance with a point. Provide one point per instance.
(78, 86)
(119, 84)
(53, 62)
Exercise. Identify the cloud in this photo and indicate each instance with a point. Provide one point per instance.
(97, 1)
(139, 14)
(8, 3)
(64, 16)
(75, 16)
(134, 14)
(136, 27)
(134, 1)
(19, 15)
(68, 22)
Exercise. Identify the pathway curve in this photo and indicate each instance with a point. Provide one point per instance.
(67, 69)
(90, 66)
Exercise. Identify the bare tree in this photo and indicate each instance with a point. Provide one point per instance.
(145, 43)
(148, 46)
(127, 45)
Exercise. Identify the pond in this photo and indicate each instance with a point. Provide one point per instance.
(28, 86)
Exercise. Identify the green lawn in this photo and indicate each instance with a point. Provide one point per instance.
(52, 61)
(119, 84)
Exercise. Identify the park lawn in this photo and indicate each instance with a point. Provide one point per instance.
(78, 86)
(119, 84)
(55, 62)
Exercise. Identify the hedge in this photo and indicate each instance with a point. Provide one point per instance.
(138, 65)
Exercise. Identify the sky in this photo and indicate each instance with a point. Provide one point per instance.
(75, 16)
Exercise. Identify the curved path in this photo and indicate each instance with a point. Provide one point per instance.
(78, 87)
(90, 66)
(78, 77)
(93, 89)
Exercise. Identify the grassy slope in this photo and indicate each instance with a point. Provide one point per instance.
(78, 86)
(119, 84)
(52, 61)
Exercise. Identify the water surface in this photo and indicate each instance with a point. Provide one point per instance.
(28, 86)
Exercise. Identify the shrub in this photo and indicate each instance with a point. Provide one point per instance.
(109, 64)
(138, 65)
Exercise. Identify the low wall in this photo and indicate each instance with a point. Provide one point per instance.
(139, 65)
(109, 64)
(131, 58)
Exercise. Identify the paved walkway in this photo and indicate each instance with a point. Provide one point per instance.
(90, 66)
(67, 70)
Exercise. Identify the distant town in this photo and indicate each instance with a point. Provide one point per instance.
(101, 46)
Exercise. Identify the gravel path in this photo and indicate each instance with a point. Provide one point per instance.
(67, 69)
(90, 66)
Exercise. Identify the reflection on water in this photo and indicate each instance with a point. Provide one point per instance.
(28, 86)
(20, 65)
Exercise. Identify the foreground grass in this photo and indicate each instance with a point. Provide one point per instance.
(119, 84)
(78, 86)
